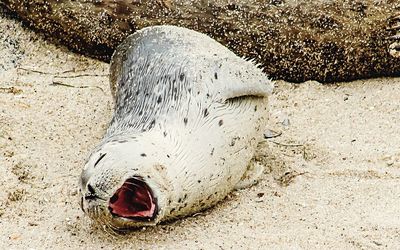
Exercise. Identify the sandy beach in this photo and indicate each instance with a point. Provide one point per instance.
(331, 180)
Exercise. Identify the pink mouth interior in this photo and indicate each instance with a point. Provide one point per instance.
(133, 200)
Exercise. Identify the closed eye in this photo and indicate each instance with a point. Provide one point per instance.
(98, 160)
(242, 98)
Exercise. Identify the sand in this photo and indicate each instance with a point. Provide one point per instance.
(331, 179)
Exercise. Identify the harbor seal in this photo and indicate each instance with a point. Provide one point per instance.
(188, 117)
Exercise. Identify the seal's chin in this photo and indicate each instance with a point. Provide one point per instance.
(133, 200)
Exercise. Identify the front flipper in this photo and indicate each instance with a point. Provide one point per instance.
(236, 77)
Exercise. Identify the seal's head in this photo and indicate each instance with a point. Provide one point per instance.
(120, 187)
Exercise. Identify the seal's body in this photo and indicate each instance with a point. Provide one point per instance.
(187, 120)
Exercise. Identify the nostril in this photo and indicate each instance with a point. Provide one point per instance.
(91, 189)
(91, 194)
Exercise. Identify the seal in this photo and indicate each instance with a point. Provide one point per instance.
(186, 124)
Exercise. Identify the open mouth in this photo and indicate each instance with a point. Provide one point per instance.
(133, 200)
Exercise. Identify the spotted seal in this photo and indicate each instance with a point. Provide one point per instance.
(187, 120)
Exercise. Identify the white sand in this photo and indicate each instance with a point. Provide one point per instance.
(335, 183)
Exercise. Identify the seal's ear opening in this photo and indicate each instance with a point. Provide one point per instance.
(134, 200)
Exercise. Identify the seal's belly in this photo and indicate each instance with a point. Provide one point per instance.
(212, 154)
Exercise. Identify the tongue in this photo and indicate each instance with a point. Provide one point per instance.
(133, 200)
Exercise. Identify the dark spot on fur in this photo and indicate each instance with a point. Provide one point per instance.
(189, 90)
(168, 156)
(153, 122)
(220, 122)
(182, 76)
(185, 120)
(165, 134)
(172, 210)
(179, 200)
(215, 75)
(143, 155)
(199, 181)
(255, 108)
(140, 112)
(205, 112)
(212, 151)
(159, 99)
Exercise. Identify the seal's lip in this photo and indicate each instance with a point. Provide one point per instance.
(134, 200)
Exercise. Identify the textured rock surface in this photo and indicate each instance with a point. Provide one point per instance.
(293, 40)
(394, 48)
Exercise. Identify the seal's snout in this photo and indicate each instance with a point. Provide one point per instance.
(133, 200)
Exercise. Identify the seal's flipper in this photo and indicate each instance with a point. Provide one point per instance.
(240, 78)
